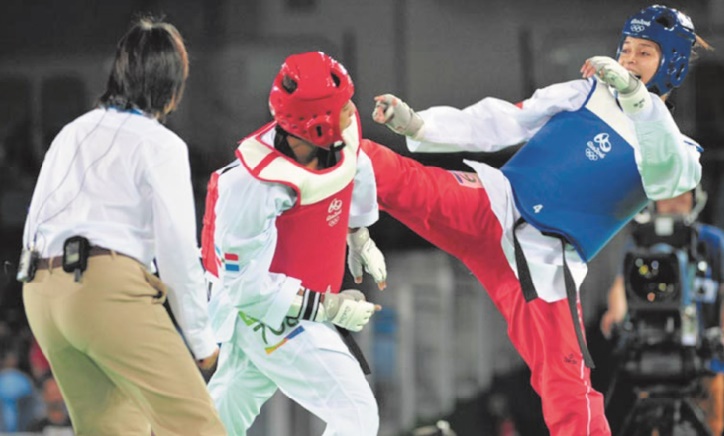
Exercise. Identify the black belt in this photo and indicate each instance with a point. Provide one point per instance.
(529, 292)
(57, 261)
(354, 349)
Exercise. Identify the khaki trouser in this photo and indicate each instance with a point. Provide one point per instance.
(121, 365)
(713, 403)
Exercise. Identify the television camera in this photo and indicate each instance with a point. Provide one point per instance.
(672, 331)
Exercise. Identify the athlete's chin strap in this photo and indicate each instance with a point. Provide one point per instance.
(327, 158)
(530, 293)
(333, 154)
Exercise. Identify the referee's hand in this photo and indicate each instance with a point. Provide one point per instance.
(209, 362)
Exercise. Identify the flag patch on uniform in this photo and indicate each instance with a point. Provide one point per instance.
(231, 262)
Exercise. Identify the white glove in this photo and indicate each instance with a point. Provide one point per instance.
(397, 115)
(633, 95)
(348, 309)
(363, 252)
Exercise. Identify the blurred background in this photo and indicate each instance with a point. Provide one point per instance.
(438, 348)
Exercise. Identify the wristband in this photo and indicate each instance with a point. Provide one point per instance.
(307, 304)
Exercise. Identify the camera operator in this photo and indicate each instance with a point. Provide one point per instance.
(710, 247)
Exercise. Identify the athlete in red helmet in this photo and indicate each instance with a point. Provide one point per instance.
(276, 224)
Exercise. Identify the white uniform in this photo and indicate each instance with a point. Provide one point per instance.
(671, 166)
(263, 350)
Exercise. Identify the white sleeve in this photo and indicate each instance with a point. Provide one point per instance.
(667, 160)
(174, 227)
(246, 234)
(364, 210)
(493, 124)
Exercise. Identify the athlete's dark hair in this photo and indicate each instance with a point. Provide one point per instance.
(150, 69)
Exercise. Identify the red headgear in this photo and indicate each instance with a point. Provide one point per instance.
(308, 95)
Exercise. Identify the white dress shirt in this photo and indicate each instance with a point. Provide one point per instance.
(122, 180)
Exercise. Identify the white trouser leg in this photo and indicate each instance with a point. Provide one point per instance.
(310, 364)
(238, 389)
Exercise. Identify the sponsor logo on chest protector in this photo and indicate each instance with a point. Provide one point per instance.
(598, 148)
(334, 210)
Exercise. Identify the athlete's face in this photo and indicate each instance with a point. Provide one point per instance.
(641, 57)
(345, 118)
(681, 205)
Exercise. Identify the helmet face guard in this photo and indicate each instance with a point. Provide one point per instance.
(673, 31)
(308, 95)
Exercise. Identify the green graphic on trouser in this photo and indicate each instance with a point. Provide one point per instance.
(288, 323)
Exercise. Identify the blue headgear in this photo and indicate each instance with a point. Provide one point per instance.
(673, 31)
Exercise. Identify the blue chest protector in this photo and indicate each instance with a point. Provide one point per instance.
(577, 177)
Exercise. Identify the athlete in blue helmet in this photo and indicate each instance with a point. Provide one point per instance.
(596, 150)
(673, 32)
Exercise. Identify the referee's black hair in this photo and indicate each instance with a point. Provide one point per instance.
(150, 69)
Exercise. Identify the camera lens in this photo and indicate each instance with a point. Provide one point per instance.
(654, 278)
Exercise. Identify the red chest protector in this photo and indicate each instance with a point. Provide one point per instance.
(312, 242)
(312, 235)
